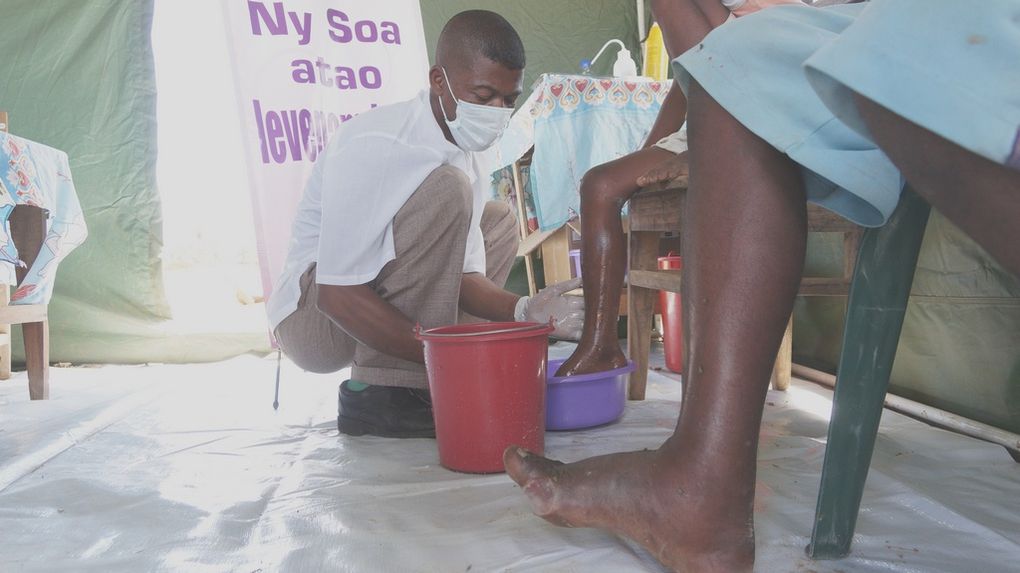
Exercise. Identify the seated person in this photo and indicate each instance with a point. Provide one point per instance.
(393, 231)
(938, 98)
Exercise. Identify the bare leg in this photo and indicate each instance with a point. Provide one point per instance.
(977, 195)
(686, 22)
(604, 190)
(690, 501)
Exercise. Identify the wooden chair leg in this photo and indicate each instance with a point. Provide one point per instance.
(783, 370)
(875, 310)
(5, 337)
(556, 256)
(28, 231)
(644, 250)
(37, 358)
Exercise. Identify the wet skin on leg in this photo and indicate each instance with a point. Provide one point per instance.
(607, 187)
(604, 190)
(690, 501)
(979, 196)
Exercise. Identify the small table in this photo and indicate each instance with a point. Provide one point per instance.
(574, 123)
(39, 210)
(35, 174)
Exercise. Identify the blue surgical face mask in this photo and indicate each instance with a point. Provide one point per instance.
(477, 127)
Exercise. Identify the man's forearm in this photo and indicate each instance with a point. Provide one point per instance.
(481, 297)
(371, 320)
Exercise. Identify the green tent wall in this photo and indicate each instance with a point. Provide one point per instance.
(960, 345)
(79, 76)
(557, 35)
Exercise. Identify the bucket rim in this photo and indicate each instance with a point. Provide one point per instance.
(498, 331)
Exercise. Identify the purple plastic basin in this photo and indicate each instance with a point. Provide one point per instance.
(586, 400)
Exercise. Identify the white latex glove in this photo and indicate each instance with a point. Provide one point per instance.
(553, 302)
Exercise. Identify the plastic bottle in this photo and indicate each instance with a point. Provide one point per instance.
(656, 58)
(624, 67)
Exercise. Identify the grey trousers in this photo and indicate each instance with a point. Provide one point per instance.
(423, 281)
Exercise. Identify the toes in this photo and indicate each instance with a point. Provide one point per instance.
(513, 461)
(524, 466)
(537, 476)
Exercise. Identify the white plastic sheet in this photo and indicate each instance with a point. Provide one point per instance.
(188, 468)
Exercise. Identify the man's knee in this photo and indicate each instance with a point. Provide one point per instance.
(498, 219)
(448, 190)
(432, 226)
(500, 232)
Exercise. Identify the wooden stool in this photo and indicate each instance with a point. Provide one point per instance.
(659, 209)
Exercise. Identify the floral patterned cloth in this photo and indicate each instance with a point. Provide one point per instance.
(35, 174)
(575, 123)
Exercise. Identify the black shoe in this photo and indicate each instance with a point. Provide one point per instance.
(390, 412)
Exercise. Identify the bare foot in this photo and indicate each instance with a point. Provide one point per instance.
(589, 358)
(690, 524)
(670, 169)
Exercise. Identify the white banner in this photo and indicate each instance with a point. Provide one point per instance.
(301, 68)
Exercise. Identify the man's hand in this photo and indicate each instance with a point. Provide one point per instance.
(566, 311)
(666, 171)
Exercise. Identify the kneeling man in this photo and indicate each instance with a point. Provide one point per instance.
(394, 230)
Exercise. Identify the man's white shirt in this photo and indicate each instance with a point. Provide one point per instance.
(371, 167)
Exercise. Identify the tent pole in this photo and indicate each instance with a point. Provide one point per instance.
(925, 413)
(641, 22)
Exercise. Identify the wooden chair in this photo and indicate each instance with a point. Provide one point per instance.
(660, 209)
(28, 232)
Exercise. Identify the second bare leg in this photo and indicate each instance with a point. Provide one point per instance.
(690, 502)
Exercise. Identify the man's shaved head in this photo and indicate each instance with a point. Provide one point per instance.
(479, 33)
(480, 61)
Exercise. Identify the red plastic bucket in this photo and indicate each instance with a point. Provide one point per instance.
(488, 391)
(672, 318)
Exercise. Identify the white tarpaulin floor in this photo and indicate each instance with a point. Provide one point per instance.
(188, 468)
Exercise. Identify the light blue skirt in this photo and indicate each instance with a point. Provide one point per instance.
(950, 67)
(787, 73)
